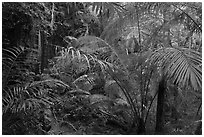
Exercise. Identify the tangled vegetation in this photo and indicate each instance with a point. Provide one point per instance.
(87, 68)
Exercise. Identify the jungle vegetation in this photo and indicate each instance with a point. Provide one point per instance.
(88, 68)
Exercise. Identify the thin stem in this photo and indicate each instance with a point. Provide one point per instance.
(52, 20)
(189, 17)
(129, 99)
(198, 109)
(150, 107)
(146, 88)
(138, 26)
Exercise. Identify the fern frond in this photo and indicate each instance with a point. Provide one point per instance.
(90, 50)
(79, 92)
(20, 99)
(31, 96)
(13, 59)
(50, 83)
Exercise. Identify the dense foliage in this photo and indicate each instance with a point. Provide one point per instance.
(101, 68)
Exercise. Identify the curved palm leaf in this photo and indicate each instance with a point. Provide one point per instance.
(183, 65)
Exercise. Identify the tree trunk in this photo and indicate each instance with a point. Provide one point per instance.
(160, 105)
(42, 49)
(141, 128)
(46, 51)
(198, 130)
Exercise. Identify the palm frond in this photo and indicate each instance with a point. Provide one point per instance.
(183, 65)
